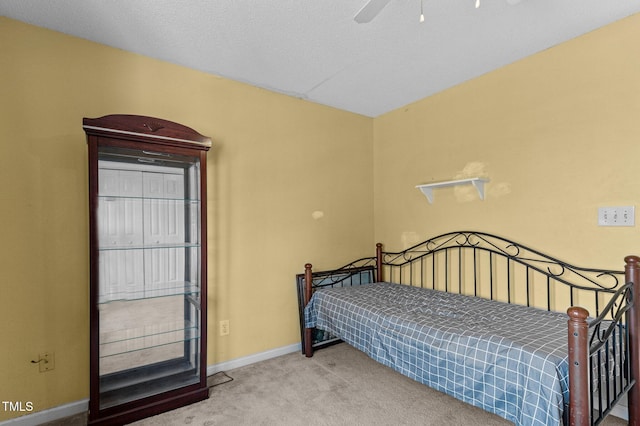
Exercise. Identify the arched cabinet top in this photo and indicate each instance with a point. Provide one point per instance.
(145, 128)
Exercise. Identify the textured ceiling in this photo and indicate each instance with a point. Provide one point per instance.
(314, 50)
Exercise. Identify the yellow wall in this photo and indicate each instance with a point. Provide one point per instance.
(557, 134)
(275, 161)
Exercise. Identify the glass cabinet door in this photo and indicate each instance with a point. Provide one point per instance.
(147, 276)
(149, 273)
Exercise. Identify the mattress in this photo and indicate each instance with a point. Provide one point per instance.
(510, 360)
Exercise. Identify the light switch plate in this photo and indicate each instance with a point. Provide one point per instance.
(617, 216)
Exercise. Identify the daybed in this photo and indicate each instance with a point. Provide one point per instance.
(483, 319)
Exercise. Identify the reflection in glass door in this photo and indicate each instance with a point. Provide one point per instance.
(149, 273)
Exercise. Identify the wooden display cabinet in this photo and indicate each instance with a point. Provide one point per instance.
(148, 252)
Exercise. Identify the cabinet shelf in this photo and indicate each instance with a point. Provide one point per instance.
(131, 340)
(144, 198)
(478, 183)
(151, 292)
(133, 246)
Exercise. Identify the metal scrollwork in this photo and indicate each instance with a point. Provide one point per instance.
(610, 317)
(573, 276)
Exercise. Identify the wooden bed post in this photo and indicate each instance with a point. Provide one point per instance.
(379, 277)
(578, 328)
(632, 274)
(308, 287)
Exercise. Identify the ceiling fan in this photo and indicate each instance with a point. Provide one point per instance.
(371, 9)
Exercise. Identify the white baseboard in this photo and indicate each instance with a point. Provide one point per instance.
(252, 359)
(78, 407)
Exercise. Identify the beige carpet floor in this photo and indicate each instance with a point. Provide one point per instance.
(338, 386)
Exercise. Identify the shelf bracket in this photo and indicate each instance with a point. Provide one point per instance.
(478, 183)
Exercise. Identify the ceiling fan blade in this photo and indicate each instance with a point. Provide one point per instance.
(370, 11)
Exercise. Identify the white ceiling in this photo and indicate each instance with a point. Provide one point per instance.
(314, 50)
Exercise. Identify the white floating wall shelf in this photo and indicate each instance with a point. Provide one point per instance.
(427, 189)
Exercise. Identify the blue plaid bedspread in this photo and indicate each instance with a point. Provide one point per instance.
(507, 359)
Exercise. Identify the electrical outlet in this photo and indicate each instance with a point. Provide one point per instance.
(224, 327)
(46, 361)
(617, 216)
